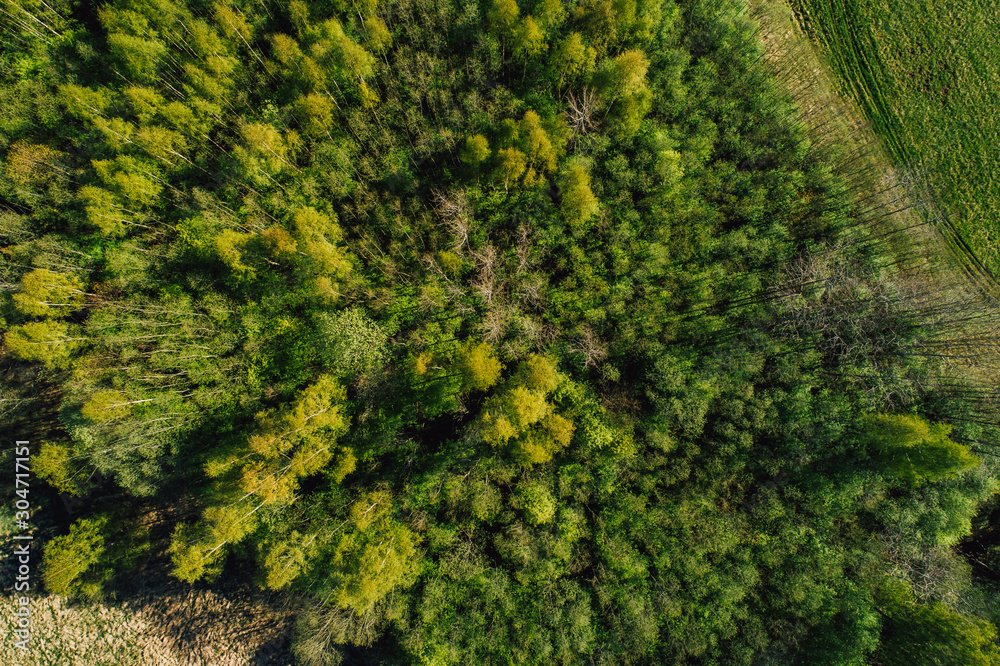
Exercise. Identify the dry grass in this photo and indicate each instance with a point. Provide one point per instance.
(159, 622)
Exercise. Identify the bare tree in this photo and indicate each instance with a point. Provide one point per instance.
(934, 573)
(495, 323)
(525, 238)
(485, 283)
(581, 112)
(531, 291)
(590, 348)
(455, 211)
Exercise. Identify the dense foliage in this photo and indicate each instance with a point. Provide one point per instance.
(493, 333)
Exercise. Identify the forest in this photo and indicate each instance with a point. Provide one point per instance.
(488, 332)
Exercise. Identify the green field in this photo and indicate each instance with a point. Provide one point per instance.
(926, 76)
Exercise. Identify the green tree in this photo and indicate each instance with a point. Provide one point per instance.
(350, 341)
(931, 633)
(130, 188)
(105, 211)
(521, 415)
(231, 248)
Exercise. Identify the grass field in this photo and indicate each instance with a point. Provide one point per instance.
(927, 75)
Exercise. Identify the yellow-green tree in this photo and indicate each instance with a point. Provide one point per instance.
(264, 153)
(373, 556)
(67, 558)
(30, 165)
(319, 234)
(540, 444)
(286, 560)
(521, 417)
(44, 293)
(511, 164)
(50, 341)
(529, 38)
(315, 113)
(539, 373)
(323, 262)
(108, 405)
(579, 204)
(536, 144)
(59, 466)
(621, 82)
(198, 550)
(129, 188)
(503, 15)
(536, 501)
(264, 471)
(478, 366)
(231, 248)
(572, 58)
(475, 150)
(550, 14)
(910, 448)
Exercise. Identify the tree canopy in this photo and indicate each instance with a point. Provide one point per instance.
(489, 332)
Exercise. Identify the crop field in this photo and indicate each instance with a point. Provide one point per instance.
(926, 74)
